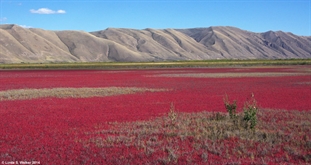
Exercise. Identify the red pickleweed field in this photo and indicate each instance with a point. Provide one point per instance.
(124, 127)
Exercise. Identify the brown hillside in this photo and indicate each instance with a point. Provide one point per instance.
(32, 45)
(232, 42)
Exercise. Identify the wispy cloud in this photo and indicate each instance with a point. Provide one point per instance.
(47, 11)
(25, 26)
(2, 19)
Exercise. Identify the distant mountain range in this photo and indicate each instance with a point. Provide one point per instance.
(33, 45)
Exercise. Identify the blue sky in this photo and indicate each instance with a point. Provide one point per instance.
(253, 15)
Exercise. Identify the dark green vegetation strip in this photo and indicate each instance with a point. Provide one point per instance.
(114, 65)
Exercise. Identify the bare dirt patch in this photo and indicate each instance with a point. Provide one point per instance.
(25, 94)
(229, 75)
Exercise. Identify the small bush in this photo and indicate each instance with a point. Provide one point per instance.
(231, 107)
(172, 114)
(250, 113)
(217, 116)
(249, 120)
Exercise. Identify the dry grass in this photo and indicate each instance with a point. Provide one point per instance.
(24, 94)
(232, 75)
(304, 83)
(280, 136)
(301, 69)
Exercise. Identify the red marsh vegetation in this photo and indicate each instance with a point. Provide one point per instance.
(156, 116)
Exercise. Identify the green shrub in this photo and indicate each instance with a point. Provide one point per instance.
(250, 113)
(249, 120)
(231, 108)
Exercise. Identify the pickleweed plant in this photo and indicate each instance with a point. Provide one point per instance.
(250, 113)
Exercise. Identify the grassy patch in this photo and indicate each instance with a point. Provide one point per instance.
(116, 65)
(280, 136)
(25, 94)
(231, 75)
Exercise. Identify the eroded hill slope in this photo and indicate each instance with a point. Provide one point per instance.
(33, 45)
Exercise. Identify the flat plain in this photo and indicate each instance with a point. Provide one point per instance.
(155, 116)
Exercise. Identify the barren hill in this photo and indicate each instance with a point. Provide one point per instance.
(32, 45)
(232, 42)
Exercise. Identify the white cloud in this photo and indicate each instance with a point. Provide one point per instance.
(61, 11)
(47, 11)
(25, 26)
(2, 19)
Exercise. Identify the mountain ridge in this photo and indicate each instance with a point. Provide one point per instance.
(33, 45)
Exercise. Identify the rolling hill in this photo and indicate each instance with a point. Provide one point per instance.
(31, 45)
